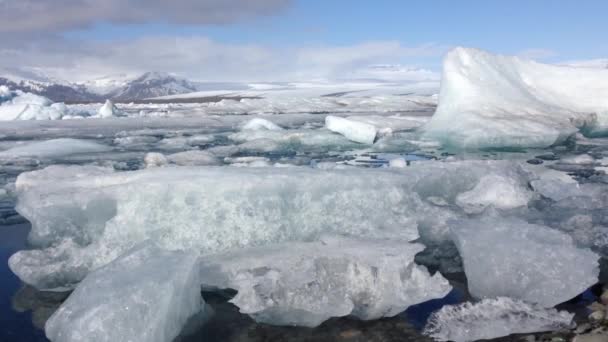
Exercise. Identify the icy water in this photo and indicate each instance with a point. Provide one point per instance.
(301, 144)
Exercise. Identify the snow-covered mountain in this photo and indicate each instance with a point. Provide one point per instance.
(153, 84)
(117, 87)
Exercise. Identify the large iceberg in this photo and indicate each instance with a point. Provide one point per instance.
(146, 295)
(18, 105)
(491, 100)
(307, 283)
(492, 318)
(512, 258)
(84, 217)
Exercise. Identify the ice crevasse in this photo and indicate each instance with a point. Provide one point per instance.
(493, 101)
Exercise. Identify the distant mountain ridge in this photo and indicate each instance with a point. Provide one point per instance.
(148, 85)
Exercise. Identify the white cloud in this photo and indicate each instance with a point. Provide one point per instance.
(204, 59)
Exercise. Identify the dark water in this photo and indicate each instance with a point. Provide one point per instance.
(14, 325)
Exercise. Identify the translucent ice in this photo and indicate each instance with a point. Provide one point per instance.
(146, 295)
(512, 258)
(307, 283)
(54, 148)
(84, 217)
(498, 101)
(492, 318)
(497, 191)
(356, 131)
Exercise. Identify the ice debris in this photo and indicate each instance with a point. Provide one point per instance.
(307, 283)
(356, 131)
(492, 318)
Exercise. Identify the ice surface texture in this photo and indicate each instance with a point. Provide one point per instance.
(307, 283)
(534, 263)
(146, 295)
(54, 148)
(356, 131)
(492, 318)
(498, 101)
(84, 217)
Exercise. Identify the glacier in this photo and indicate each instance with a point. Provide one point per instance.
(492, 318)
(307, 283)
(18, 105)
(495, 101)
(147, 295)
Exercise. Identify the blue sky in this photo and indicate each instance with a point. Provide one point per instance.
(549, 31)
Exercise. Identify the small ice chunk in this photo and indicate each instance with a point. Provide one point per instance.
(497, 191)
(108, 110)
(54, 148)
(146, 295)
(335, 277)
(260, 124)
(155, 159)
(397, 162)
(512, 258)
(360, 132)
(492, 318)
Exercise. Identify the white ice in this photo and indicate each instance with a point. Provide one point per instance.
(305, 284)
(491, 100)
(259, 123)
(356, 131)
(53, 148)
(493, 318)
(84, 217)
(497, 191)
(533, 263)
(17, 105)
(108, 110)
(146, 295)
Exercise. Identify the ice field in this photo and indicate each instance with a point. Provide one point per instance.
(303, 204)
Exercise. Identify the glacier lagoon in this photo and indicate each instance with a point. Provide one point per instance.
(365, 218)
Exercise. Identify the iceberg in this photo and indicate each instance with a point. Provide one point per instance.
(356, 131)
(146, 295)
(500, 192)
(85, 217)
(498, 101)
(307, 283)
(108, 110)
(512, 258)
(18, 105)
(492, 318)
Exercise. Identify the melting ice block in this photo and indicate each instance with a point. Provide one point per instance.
(534, 263)
(108, 110)
(260, 124)
(147, 295)
(84, 217)
(491, 100)
(356, 131)
(307, 283)
(492, 318)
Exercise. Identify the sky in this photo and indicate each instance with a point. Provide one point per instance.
(287, 40)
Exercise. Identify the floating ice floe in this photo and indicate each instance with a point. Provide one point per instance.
(497, 191)
(307, 283)
(356, 131)
(146, 295)
(259, 123)
(512, 258)
(54, 148)
(17, 105)
(492, 318)
(84, 217)
(491, 100)
(193, 158)
(108, 110)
